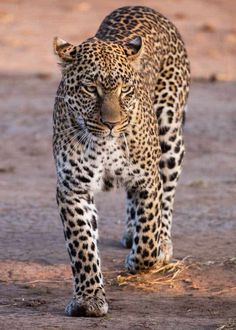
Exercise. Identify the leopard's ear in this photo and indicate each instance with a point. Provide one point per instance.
(134, 48)
(64, 50)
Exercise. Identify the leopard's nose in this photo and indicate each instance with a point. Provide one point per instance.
(110, 124)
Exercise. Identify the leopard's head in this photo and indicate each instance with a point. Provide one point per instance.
(99, 84)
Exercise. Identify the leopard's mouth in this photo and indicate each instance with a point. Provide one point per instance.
(106, 134)
(106, 131)
(102, 130)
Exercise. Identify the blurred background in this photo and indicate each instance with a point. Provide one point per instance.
(35, 276)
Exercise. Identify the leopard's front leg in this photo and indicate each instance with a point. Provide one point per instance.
(79, 218)
(146, 233)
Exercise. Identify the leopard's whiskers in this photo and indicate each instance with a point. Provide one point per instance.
(69, 141)
(83, 139)
(61, 97)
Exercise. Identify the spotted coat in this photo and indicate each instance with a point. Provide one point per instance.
(118, 118)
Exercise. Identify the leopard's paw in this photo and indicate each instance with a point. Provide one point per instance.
(134, 265)
(88, 306)
(131, 265)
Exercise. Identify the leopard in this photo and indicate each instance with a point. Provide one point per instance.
(118, 121)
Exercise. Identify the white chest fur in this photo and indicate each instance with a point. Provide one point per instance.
(89, 168)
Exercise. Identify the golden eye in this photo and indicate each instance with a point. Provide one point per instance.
(126, 89)
(90, 89)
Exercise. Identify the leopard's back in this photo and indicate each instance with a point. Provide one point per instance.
(164, 51)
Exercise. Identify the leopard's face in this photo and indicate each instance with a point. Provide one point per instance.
(100, 88)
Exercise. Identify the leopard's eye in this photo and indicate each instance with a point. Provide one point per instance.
(90, 89)
(126, 89)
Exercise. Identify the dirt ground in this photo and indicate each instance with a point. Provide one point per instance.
(35, 277)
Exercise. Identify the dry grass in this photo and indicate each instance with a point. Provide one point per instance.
(160, 275)
(182, 276)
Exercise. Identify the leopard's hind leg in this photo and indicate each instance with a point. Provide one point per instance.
(172, 146)
(170, 99)
(127, 239)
